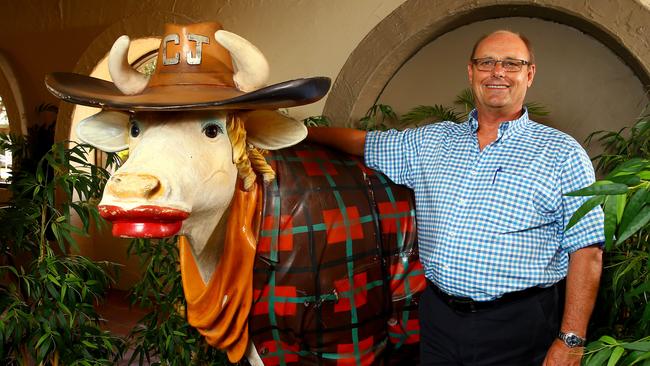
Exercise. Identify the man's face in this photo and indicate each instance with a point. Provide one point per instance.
(501, 90)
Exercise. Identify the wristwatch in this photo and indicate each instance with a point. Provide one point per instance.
(572, 340)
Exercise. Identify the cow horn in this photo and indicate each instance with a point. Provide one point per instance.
(251, 68)
(128, 80)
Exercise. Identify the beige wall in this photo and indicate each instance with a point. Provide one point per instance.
(299, 38)
(581, 82)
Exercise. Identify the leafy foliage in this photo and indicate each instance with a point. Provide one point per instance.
(382, 116)
(379, 117)
(430, 114)
(316, 121)
(163, 336)
(622, 310)
(47, 294)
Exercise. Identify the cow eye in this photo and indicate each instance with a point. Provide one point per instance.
(212, 130)
(135, 129)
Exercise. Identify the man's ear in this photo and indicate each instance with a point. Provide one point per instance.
(469, 72)
(531, 74)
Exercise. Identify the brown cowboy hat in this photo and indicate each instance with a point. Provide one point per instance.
(199, 66)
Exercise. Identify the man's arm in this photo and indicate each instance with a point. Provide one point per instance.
(349, 140)
(583, 278)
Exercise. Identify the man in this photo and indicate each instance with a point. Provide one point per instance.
(491, 215)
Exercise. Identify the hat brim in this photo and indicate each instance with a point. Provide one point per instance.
(93, 92)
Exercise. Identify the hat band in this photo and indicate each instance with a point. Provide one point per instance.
(198, 78)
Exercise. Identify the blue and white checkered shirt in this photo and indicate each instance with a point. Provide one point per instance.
(492, 221)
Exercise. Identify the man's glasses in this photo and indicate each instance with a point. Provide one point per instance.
(509, 64)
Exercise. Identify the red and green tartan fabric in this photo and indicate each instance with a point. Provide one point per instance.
(337, 276)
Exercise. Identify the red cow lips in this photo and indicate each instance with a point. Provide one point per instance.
(144, 221)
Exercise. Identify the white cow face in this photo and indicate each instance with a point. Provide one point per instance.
(180, 176)
(179, 173)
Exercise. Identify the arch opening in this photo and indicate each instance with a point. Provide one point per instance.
(384, 51)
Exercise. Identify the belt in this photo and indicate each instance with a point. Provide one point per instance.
(467, 305)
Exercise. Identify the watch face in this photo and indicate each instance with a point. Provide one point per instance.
(573, 340)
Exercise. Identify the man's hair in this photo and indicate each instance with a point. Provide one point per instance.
(529, 46)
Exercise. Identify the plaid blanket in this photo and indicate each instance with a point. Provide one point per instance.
(337, 276)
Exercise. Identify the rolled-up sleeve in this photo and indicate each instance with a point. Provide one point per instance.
(578, 172)
(394, 153)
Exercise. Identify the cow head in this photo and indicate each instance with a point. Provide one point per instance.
(183, 168)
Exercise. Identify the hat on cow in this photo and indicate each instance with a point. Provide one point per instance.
(199, 66)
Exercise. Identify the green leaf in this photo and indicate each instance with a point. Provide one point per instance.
(616, 355)
(620, 206)
(632, 208)
(608, 340)
(602, 187)
(638, 346)
(611, 210)
(638, 223)
(643, 357)
(41, 340)
(598, 358)
(628, 180)
(631, 166)
(584, 209)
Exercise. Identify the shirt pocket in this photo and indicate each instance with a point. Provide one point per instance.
(509, 203)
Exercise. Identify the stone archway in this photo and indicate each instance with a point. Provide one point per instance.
(621, 25)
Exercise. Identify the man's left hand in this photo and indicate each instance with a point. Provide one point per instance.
(561, 355)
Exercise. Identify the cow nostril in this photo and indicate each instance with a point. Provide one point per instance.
(152, 187)
(142, 186)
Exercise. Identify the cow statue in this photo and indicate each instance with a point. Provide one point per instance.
(290, 253)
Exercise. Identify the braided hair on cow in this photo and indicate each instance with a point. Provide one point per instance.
(248, 159)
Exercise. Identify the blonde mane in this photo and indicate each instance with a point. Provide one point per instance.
(249, 160)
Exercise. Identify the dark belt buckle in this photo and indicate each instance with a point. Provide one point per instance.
(463, 305)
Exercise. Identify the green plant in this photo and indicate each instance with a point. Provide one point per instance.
(379, 117)
(47, 294)
(316, 121)
(465, 99)
(623, 308)
(382, 116)
(163, 336)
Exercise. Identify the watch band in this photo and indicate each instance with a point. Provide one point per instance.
(571, 340)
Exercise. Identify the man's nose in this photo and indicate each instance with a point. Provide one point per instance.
(498, 70)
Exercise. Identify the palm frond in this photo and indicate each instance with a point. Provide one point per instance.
(465, 99)
(429, 114)
(536, 109)
(379, 117)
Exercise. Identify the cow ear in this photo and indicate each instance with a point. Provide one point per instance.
(271, 130)
(106, 130)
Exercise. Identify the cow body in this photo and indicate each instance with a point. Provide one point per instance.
(329, 246)
(337, 275)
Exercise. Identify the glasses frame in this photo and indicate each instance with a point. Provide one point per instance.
(475, 62)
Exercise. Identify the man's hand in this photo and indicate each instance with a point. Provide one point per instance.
(561, 355)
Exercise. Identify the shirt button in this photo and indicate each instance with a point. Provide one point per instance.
(452, 234)
(462, 202)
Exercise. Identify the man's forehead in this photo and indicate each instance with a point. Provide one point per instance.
(503, 43)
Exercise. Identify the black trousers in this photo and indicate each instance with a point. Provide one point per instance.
(516, 333)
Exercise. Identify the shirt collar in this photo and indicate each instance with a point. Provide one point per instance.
(505, 128)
